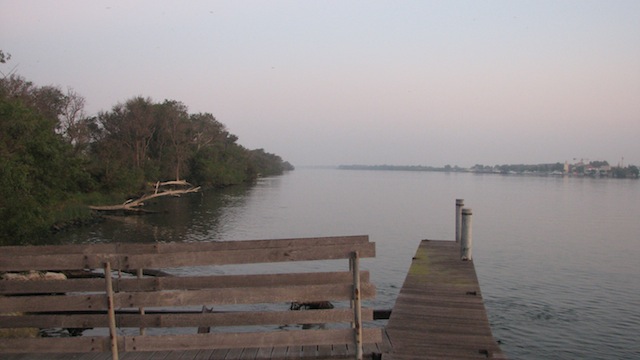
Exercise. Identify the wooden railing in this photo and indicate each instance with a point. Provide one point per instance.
(126, 311)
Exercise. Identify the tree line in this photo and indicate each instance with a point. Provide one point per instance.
(52, 153)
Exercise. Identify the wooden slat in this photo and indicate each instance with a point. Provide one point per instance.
(191, 258)
(244, 295)
(303, 293)
(54, 303)
(265, 318)
(248, 256)
(28, 250)
(228, 281)
(176, 283)
(168, 248)
(262, 244)
(185, 320)
(250, 340)
(56, 345)
(52, 286)
(56, 262)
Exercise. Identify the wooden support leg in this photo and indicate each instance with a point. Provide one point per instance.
(140, 274)
(357, 304)
(112, 312)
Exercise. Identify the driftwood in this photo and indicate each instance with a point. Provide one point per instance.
(132, 205)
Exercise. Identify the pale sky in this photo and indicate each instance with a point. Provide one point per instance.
(358, 82)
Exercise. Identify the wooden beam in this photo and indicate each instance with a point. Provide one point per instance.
(113, 333)
(179, 259)
(80, 344)
(247, 340)
(357, 304)
(172, 247)
(194, 319)
(177, 283)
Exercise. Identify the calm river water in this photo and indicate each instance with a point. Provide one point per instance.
(558, 258)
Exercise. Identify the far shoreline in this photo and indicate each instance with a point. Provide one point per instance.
(592, 170)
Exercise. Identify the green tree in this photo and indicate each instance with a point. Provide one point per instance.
(174, 137)
(37, 169)
(122, 138)
(266, 164)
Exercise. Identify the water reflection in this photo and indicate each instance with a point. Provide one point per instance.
(203, 216)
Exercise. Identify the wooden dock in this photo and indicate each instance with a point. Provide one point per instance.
(439, 313)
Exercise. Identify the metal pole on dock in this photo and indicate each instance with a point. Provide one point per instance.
(459, 205)
(465, 236)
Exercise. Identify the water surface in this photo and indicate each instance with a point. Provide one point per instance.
(557, 258)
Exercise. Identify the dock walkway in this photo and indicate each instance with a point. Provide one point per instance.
(439, 313)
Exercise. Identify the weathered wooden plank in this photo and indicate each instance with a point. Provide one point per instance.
(302, 293)
(269, 243)
(279, 352)
(26, 250)
(173, 247)
(293, 352)
(219, 354)
(442, 325)
(227, 281)
(249, 353)
(264, 353)
(57, 262)
(52, 286)
(176, 283)
(133, 320)
(308, 351)
(54, 303)
(242, 340)
(203, 355)
(436, 292)
(245, 295)
(441, 311)
(340, 350)
(191, 258)
(324, 351)
(247, 256)
(54, 321)
(55, 345)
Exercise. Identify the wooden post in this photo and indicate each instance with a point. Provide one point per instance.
(113, 335)
(357, 306)
(459, 205)
(465, 236)
(352, 302)
(140, 275)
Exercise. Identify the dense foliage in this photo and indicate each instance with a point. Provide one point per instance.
(51, 152)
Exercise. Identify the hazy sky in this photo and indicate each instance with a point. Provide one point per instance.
(358, 82)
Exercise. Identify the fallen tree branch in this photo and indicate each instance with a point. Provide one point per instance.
(131, 205)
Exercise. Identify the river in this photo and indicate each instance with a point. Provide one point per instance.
(558, 258)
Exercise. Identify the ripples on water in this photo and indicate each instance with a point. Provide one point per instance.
(557, 258)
